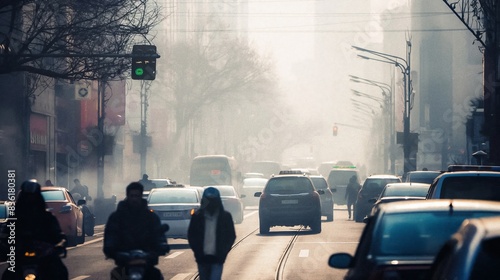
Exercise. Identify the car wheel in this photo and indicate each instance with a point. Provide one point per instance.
(81, 239)
(264, 227)
(72, 241)
(358, 216)
(316, 225)
(239, 220)
(89, 224)
(329, 217)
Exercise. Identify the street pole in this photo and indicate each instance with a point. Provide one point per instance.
(389, 103)
(405, 68)
(408, 164)
(143, 146)
(101, 88)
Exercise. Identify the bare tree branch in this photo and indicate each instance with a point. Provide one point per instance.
(55, 27)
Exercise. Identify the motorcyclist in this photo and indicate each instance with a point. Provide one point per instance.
(37, 230)
(133, 227)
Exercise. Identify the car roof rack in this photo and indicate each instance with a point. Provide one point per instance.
(285, 172)
(452, 168)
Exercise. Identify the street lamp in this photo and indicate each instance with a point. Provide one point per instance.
(381, 101)
(404, 65)
(389, 103)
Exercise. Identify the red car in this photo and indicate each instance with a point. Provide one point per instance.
(70, 216)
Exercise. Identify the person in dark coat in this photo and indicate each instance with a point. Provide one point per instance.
(133, 227)
(351, 193)
(38, 230)
(83, 190)
(211, 235)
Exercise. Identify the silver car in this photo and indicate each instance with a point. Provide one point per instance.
(174, 206)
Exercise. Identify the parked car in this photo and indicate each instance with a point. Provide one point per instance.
(402, 239)
(250, 187)
(289, 199)
(426, 177)
(371, 189)
(400, 191)
(472, 182)
(174, 206)
(473, 252)
(231, 202)
(338, 179)
(68, 212)
(326, 197)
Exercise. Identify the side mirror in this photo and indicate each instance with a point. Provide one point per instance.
(340, 260)
(257, 194)
(321, 191)
(81, 202)
(333, 189)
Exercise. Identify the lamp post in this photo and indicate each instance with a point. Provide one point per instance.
(404, 66)
(389, 103)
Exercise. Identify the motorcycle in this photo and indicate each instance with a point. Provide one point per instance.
(138, 264)
(37, 255)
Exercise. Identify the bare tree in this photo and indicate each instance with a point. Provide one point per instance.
(72, 39)
(209, 69)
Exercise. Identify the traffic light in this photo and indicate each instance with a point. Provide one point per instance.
(144, 62)
(335, 130)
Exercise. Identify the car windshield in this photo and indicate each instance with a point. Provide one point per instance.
(53, 195)
(173, 196)
(160, 183)
(422, 177)
(377, 185)
(418, 234)
(319, 183)
(405, 191)
(289, 185)
(472, 187)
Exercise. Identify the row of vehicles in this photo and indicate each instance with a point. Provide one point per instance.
(448, 229)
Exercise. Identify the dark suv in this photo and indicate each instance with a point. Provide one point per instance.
(289, 199)
(372, 187)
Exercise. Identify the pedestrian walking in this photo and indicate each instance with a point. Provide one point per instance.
(351, 193)
(211, 235)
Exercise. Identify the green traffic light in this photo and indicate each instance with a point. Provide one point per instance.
(139, 71)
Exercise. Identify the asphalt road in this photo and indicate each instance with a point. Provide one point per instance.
(285, 253)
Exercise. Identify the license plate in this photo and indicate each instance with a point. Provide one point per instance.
(290, 201)
(172, 214)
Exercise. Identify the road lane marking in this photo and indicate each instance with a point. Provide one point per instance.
(250, 214)
(86, 243)
(173, 255)
(81, 277)
(304, 254)
(180, 276)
